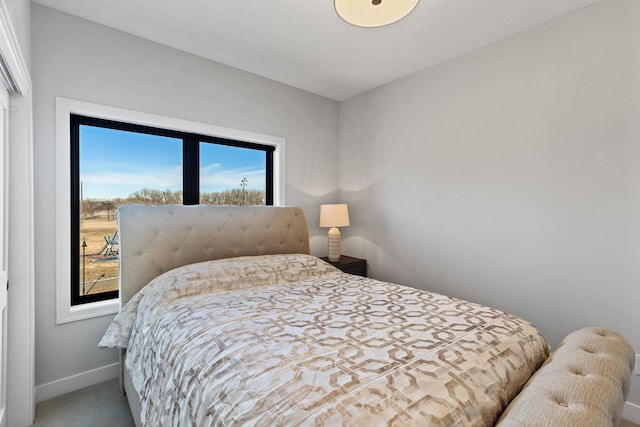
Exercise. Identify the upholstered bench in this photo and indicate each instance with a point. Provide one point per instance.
(584, 382)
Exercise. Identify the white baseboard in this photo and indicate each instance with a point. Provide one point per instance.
(76, 382)
(631, 412)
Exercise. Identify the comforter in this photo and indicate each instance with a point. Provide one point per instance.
(290, 340)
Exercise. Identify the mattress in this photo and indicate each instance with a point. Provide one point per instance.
(290, 340)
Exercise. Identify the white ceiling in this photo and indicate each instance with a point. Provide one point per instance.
(303, 43)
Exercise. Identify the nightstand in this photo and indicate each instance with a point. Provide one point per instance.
(351, 265)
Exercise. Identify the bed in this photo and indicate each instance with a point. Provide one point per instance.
(227, 320)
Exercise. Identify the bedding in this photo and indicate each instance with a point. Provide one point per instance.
(291, 340)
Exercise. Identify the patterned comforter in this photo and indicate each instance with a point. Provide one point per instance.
(290, 340)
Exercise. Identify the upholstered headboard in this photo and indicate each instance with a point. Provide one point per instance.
(156, 239)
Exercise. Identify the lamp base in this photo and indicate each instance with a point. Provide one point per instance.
(333, 244)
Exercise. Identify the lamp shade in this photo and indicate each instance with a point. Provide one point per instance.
(334, 215)
(373, 13)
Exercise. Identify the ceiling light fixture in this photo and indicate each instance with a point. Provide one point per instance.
(373, 13)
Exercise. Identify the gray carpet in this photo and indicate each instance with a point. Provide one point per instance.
(97, 406)
(100, 406)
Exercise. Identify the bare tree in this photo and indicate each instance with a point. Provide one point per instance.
(235, 197)
(146, 196)
(90, 207)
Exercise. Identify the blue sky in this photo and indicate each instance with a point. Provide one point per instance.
(116, 163)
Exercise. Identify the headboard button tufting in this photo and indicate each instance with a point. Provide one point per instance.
(596, 387)
(168, 235)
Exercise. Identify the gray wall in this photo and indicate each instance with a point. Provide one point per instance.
(77, 59)
(20, 11)
(510, 176)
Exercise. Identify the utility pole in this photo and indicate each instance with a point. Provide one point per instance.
(81, 198)
(84, 248)
(243, 184)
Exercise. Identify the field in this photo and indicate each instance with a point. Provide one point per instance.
(100, 268)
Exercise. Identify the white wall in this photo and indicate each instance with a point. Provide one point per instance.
(510, 176)
(20, 336)
(77, 59)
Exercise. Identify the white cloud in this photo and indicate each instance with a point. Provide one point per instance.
(213, 177)
(121, 184)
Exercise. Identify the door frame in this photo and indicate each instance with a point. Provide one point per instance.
(20, 216)
(4, 245)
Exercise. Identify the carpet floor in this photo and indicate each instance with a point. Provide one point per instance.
(100, 405)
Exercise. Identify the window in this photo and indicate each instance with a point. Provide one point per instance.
(115, 163)
(107, 157)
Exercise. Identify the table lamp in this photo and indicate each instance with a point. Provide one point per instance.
(334, 216)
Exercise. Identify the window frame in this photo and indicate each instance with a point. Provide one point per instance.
(65, 108)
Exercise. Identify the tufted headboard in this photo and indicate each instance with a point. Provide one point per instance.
(156, 239)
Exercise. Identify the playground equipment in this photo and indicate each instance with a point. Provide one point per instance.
(111, 242)
(110, 247)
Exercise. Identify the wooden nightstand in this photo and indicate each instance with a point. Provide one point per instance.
(351, 265)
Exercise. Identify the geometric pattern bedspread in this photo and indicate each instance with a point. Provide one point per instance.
(290, 340)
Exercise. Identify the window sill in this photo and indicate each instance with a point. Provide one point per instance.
(88, 311)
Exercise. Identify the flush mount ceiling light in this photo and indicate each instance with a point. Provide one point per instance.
(373, 13)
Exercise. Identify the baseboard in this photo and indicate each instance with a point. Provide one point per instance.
(76, 382)
(631, 412)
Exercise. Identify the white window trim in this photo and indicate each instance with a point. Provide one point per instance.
(65, 312)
